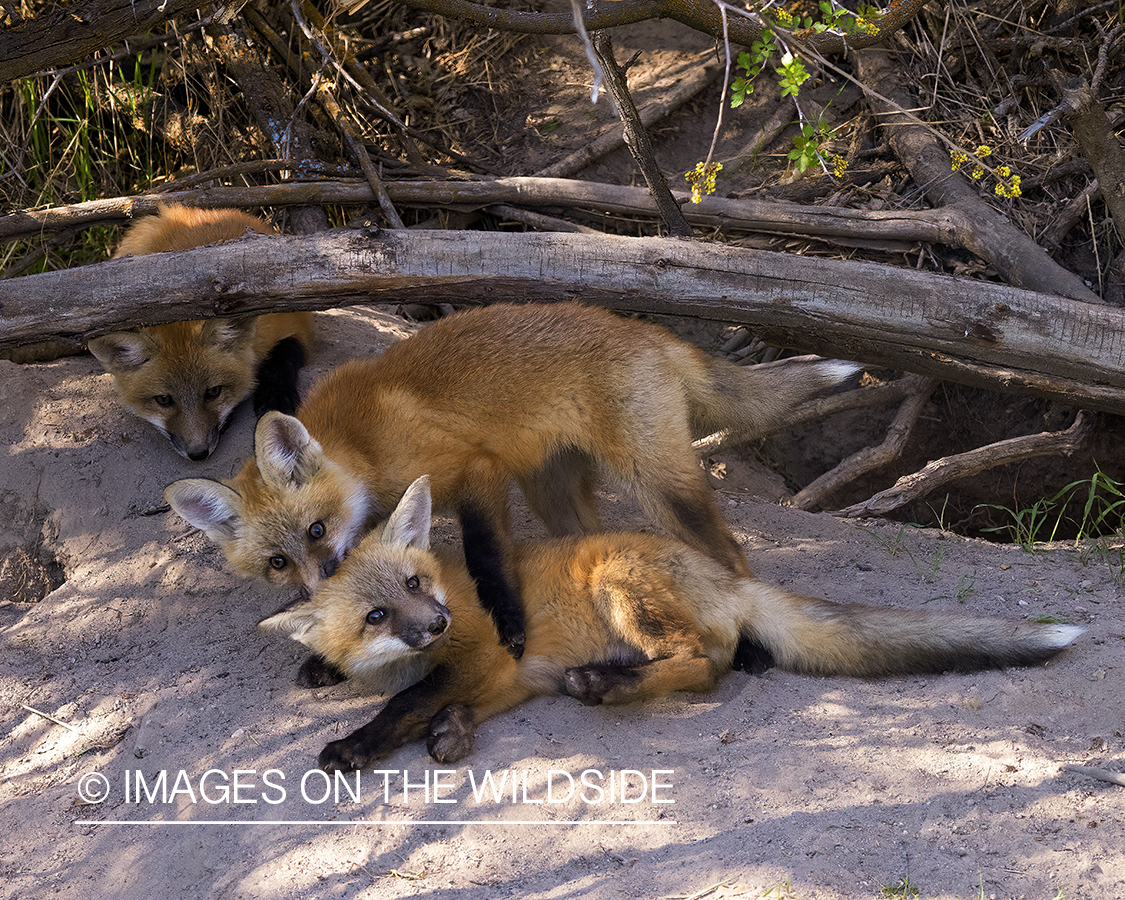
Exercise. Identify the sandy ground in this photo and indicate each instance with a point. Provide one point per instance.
(145, 664)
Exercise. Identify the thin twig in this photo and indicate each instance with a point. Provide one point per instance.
(637, 139)
(1100, 774)
(49, 717)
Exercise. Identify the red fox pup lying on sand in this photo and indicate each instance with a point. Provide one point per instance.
(186, 378)
(611, 618)
(541, 394)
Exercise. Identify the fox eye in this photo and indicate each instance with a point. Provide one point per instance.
(317, 530)
(164, 400)
(278, 562)
(212, 392)
(412, 583)
(374, 617)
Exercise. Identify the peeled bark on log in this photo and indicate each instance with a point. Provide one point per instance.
(975, 332)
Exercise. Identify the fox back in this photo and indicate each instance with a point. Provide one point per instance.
(186, 378)
(548, 395)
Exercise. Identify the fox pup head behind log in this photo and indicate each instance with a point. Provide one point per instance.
(611, 618)
(186, 378)
(542, 394)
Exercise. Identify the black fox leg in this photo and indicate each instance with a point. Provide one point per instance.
(487, 540)
(405, 718)
(277, 378)
(316, 672)
(561, 493)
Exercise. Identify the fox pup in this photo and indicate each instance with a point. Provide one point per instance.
(611, 618)
(186, 378)
(538, 393)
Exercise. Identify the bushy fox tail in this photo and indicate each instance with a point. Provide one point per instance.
(751, 401)
(817, 637)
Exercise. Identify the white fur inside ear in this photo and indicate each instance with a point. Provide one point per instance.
(409, 524)
(228, 333)
(211, 507)
(296, 623)
(121, 351)
(286, 453)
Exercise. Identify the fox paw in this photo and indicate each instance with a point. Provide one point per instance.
(451, 734)
(591, 684)
(345, 755)
(512, 636)
(316, 672)
(752, 656)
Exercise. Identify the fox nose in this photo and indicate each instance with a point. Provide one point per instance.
(438, 625)
(197, 455)
(328, 568)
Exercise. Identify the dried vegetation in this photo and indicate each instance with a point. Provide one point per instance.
(282, 92)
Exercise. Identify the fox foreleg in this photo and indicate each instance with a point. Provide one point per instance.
(487, 541)
(277, 378)
(405, 719)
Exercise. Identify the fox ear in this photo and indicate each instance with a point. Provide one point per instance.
(121, 351)
(211, 507)
(295, 622)
(229, 334)
(286, 453)
(409, 524)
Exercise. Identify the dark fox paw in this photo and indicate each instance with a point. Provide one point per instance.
(316, 672)
(345, 755)
(512, 636)
(590, 684)
(451, 734)
(752, 656)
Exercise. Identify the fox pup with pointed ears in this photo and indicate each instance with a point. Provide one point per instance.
(611, 618)
(542, 394)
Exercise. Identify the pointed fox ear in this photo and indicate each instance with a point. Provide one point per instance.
(409, 524)
(295, 622)
(121, 351)
(211, 507)
(229, 334)
(286, 453)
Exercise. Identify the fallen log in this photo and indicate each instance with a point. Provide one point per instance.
(973, 332)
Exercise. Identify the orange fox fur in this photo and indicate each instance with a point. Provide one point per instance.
(186, 378)
(611, 618)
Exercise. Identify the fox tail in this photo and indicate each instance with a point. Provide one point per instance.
(818, 637)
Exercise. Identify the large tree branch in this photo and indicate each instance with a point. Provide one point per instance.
(942, 226)
(78, 28)
(702, 15)
(978, 333)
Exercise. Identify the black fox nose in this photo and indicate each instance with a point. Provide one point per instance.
(438, 625)
(197, 455)
(328, 568)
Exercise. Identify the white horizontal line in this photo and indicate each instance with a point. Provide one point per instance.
(371, 822)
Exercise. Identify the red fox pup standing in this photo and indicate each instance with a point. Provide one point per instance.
(186, 378)
(538, 393)
(611, 618)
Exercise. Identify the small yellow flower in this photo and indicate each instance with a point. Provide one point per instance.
(978, 172)
(839, 165)
(959, 159)
(983, 150)
(702, 180)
